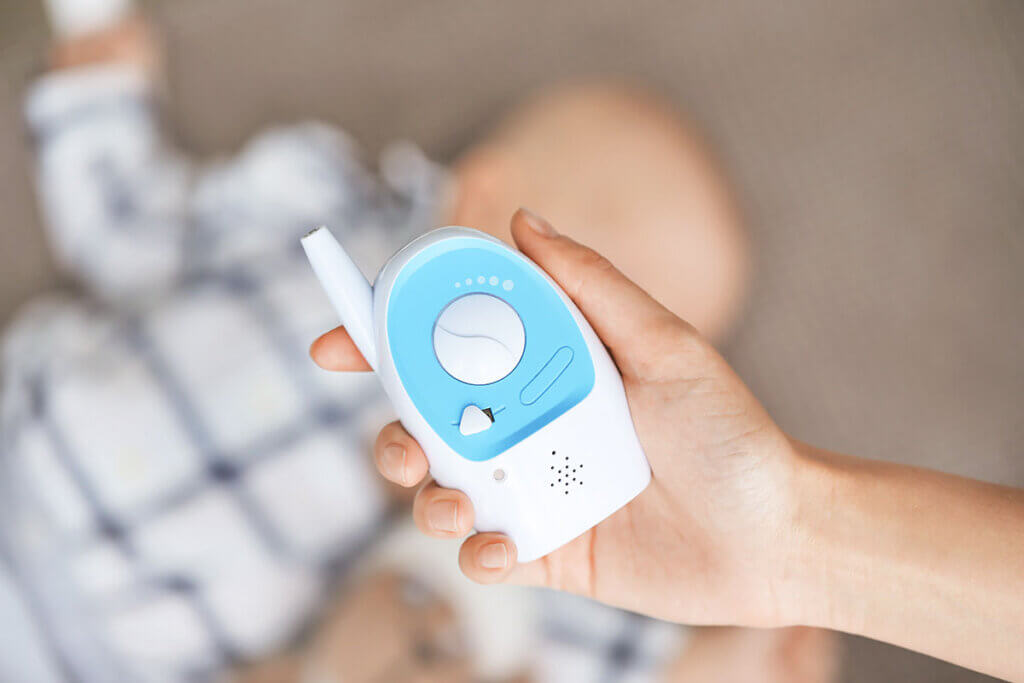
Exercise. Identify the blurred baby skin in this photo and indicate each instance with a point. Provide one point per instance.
(388, 627)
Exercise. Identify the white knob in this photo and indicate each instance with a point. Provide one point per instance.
(478, 339)
(473, 421)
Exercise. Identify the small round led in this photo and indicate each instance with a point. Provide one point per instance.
(469, 281)
(499, 475)
(507, 285)
(493, 281)
(480, 280)
(457, 285)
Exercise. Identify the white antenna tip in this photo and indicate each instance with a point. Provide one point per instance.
(314, 231)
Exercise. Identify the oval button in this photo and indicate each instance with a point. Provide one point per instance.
(543, 380)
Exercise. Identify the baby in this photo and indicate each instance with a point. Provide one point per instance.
(184, 493)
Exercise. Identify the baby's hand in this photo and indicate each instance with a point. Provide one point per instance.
(130, 41)
(710, 539)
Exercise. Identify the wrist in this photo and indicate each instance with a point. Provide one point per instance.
(911, 557)
(853, 550)
(824, 545)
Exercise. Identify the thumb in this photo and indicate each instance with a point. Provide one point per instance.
(634, 327)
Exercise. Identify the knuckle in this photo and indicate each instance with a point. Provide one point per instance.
(672, 330)
(427, 490)
(674, 344)
(419, 507)
(392, 431)
(589, 265)
(684, 334)
(593, 261)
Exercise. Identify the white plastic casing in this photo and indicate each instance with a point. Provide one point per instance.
(518, 492)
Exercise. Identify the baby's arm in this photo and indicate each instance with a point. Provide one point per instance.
(114, 193)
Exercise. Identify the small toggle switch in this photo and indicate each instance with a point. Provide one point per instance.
(475, 420)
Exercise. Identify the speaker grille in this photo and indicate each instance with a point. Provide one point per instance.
(566, 474)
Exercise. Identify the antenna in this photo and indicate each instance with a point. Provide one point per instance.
(349, 292)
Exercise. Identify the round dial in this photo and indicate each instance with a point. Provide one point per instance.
(479, 339)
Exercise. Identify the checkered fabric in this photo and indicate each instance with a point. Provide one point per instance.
(586, 641)
(180, 485)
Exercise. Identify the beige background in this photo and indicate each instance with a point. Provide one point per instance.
(878, 146)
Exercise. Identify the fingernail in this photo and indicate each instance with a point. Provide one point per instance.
(539, 225)
(443, 516)
(392, 461)
(493, 556)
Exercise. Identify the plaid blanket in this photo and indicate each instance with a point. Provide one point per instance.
(180, 486)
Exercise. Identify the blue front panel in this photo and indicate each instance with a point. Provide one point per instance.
(555, 371)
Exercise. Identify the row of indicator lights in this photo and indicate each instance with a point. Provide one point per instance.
(507, 285)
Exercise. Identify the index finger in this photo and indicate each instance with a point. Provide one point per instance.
(336, 351)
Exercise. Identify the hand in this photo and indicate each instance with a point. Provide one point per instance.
(706, 542)
(740, 524)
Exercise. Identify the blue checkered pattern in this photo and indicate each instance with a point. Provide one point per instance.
(180, 486)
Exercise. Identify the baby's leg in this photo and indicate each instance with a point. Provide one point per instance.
(620, 171)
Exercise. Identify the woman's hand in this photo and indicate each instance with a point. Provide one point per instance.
(740, 524)
(708, 541)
